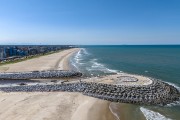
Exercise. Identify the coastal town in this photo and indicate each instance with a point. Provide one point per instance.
(16, 52)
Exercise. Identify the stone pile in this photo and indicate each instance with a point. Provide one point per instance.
(40, 74)
(157, 93)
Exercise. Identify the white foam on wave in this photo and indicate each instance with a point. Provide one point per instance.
(73, 64)
(176, 86)
(78, 55)
(97, 65)
(85, 51)
(92, 64)
(77, 58)
(175, 103)
(151, 115)
(112, 71)
(93, 60)
(101, 67)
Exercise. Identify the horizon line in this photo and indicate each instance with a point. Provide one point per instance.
(90, 44)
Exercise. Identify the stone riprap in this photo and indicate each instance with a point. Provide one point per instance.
(40, 74)
(157, 93)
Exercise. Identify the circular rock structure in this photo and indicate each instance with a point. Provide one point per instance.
(124, 88)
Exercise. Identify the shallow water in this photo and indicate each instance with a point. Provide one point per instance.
(160, 62)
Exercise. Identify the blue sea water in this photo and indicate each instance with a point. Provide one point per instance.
(157, 61)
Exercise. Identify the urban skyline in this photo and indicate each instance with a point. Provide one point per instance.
(14, 51)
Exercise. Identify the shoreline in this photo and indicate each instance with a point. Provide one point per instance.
(47, 62)
(78, 103)
(48, 105)
(89, 107)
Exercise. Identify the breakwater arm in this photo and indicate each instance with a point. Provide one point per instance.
(157, 93)
(48, 74)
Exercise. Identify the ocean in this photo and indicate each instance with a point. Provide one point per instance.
(157, 61)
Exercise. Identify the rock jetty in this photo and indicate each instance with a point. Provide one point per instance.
(157, 93)
(48, 74)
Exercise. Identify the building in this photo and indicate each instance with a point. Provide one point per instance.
(1, 53)
(33, 51)
(11, 52)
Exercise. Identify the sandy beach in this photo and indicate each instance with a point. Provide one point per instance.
(50, 105)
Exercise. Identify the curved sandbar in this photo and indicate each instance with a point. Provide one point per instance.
(120, 88)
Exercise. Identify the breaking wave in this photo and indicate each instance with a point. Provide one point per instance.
(151, 115)
(96, 66)
(175, 103)
(84, 61)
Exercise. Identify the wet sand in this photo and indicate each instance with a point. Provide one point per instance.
(50, 105)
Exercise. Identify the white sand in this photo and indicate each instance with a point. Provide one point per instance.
(50, 105)
(116, 79)
(48, 62)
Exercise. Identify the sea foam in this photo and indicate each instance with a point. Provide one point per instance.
(151, 115)
(175, 103)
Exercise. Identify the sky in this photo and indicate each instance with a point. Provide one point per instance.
(90, 22)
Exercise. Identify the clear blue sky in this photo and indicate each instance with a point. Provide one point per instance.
(89, 21)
